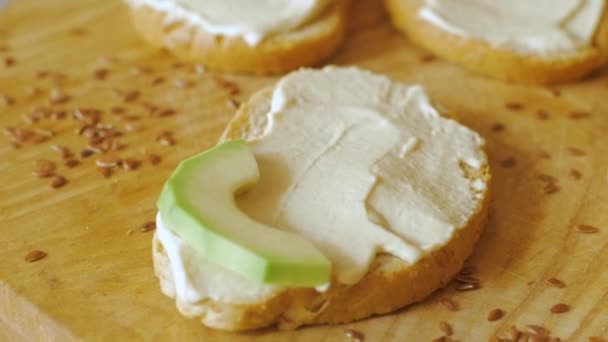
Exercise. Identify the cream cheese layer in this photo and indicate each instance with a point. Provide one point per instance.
(358, 165)
(251, 20)
(540, 27)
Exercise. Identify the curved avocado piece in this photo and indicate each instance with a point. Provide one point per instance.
(197, 203)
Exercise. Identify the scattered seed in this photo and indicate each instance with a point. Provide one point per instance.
(6, 100)
(86, 153)
(428, 58)
(58, 182)
(43, 168)
(579, 115)
(576, 151)
(34, 255)
(106, 172)
(495, 315)
(78, 31)
(128, 96)
(42, 73)
(498, 127)
(354, 335)
(9, 61)
(509, 162)
(555, 282)
(446, 328)
(165, 112)
(63, 151)
(130, 164)
(107, 161)
(101, 74)
(154, 159)
(551, 188)
(576, 174)
(117, 110)
(448, 304)
(586, 229)
(466, 287)
(514, 106)
(71, 162)
(560, 308)
(148, 226)
(542, 114)
(537, 330)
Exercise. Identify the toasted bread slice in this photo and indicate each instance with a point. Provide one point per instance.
(389, 284)
(500, 63)
(304, 46)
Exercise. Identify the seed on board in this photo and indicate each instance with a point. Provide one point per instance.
(448, 304)
(58, 182)
(107, 161)
(446, 328)
(147, 226)
(509, 162)
(154, 159)
(576, 151)
(575, 174)
(586, 229)
(555, 282)
(542, 114)
(495, 315)
(106, 172)
(579, 115)
(537, 330)
(560, 308)
(354, 335)
(514, 106)
(34, 255)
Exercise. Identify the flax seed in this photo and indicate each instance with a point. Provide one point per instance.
(6, 100)
(543, 154)
(448, 304)
(86, 153)
(158, 80)
(58, 182)
(148, 226)
(130, 164)
(577, 152)
(586, 229)
(579, 115)
(9, 61)
(117, 110)
(34, 255)
(560, 308)
(537, 330)
(428, 58)
(575, 174)
(154, 159)
(514, 106)
(495, 315)
(509, 162)
(71, 162)
(166, 112)
(555, 282)
(101, 74)
(106, 172)
(554, 91)
(551, 188)
(498, 127)
(354, 335)
(446, 328)
(542, 114)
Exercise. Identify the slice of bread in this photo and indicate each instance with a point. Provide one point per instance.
(501, 63)
(304, 46)
(389, 284)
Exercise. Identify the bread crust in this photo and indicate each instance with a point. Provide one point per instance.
(500, 63)
(390, 283)
(305, 46)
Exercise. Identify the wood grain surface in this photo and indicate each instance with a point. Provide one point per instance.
(97, 281)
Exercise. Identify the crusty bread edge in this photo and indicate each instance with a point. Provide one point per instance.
(500, 63)
(304, 46)
(390, 283)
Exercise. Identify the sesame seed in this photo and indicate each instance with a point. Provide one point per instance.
(9, 61)
(101, 74)
(551, 188)
(107, 161)
(428, 58)
(130, 164)
(448, 304)
(58, 182)
(71, 162)
(34, 255)
(354, 335)
(586, 229)
(446, 328)
(154, 159)
(575, 174)
(106, 172)
(555, 282)
(495, 315)
(158, 80)
(509, 162)
(117, 110)
(537, 330)
(86, 153)
(554, 91)
(542, 114)
(514, 106)
(148, 226)
(498, 127)
(560, 308)
(579, 115)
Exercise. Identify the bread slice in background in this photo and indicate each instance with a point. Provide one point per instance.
(500, 63)
(306, 45)
(390, 283)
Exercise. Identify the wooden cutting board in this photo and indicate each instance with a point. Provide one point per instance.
(97, 281)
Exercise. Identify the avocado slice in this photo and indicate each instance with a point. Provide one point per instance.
(197, 203)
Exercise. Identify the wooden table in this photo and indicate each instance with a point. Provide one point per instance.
(97, 282)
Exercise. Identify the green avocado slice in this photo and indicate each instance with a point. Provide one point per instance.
(197, 203)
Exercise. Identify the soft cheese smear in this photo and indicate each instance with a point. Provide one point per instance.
(252, 20)
(534, 27)
(358, 165)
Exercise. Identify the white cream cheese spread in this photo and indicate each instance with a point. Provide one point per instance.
(252, 20)
(356, 164)
(532, 27)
